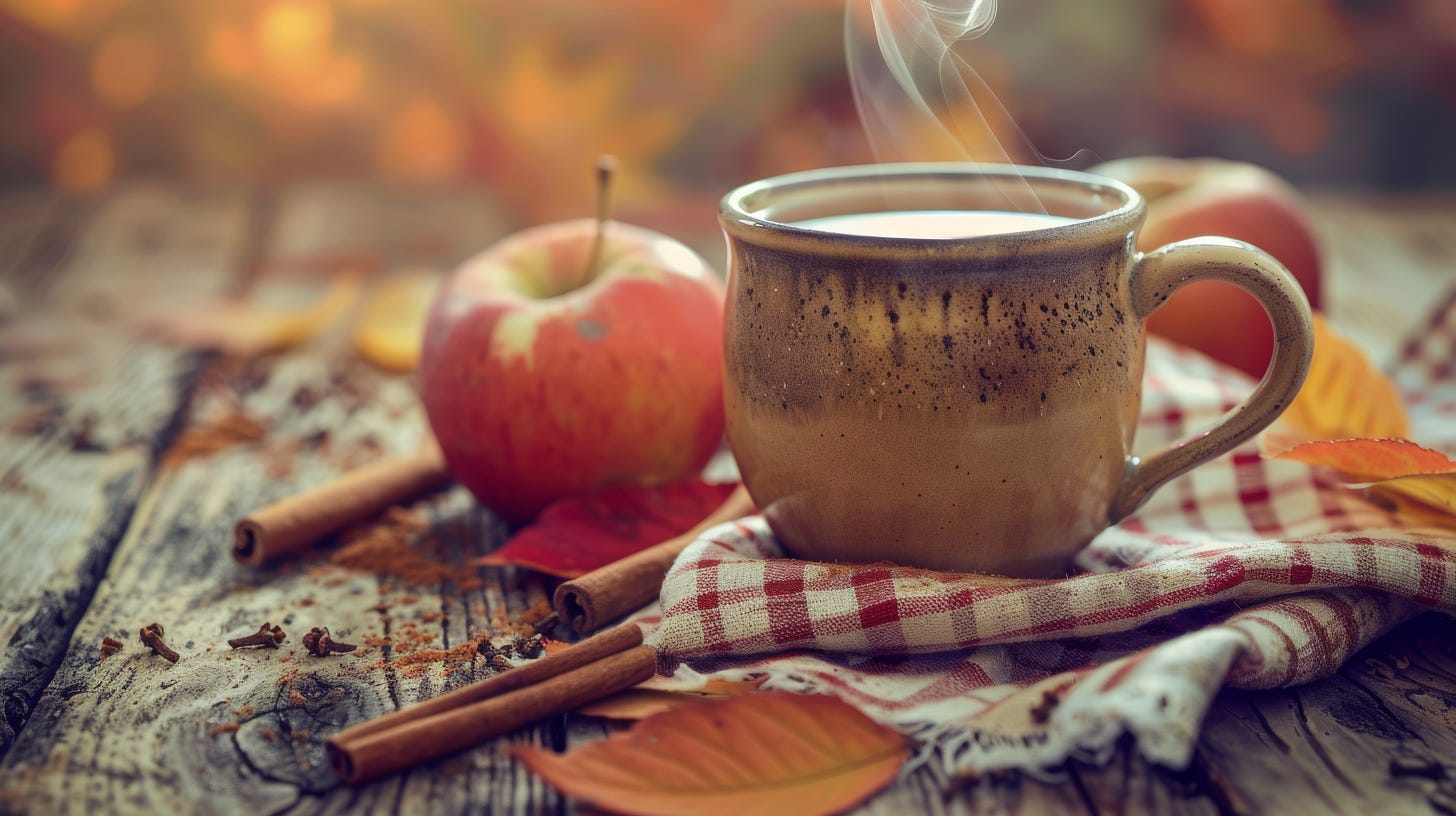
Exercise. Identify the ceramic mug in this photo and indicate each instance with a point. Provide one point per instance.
(896, 391)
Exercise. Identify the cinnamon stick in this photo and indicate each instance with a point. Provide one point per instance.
(292, 524)
(359, 758)
(608, 593)
(594, 648)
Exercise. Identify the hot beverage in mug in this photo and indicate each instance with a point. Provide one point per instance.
(932, 223)
(915, 374)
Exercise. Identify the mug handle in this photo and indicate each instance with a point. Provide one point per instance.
(1154, 278)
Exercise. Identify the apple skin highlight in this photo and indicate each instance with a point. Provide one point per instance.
(544, 379)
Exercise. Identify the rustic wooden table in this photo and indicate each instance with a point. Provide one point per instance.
(102, 532)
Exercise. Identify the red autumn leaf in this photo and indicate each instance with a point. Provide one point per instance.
(575, 536)
(754, 753)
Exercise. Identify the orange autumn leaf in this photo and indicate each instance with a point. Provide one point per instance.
(391, 326)
(1373, 460)
(712, 685)
(1391, 466)
(759, 753)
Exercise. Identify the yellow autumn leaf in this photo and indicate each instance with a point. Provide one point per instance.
(391, 325)
(1437, 510)
(1344, 397)
(755, 753)
(1436, 491)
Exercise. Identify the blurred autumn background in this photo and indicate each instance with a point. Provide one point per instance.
(694, 97)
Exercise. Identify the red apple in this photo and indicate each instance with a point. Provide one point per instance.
(552, 368)
(1188, 198)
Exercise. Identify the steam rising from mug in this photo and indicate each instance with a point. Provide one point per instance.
(920, 100)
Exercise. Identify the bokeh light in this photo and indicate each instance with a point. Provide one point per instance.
(693, 97)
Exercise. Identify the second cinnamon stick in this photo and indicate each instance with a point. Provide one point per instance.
(294, 523)
(608, 593)
(360, 758)
(591, 650)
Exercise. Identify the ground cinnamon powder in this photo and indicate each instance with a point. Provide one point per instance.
(397, 546)
(205, 440)
(453, 660)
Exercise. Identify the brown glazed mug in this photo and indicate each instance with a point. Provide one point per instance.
(962, 403)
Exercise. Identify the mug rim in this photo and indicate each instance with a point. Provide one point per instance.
(1120, 222)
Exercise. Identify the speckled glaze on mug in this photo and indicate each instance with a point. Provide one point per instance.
(963, 404)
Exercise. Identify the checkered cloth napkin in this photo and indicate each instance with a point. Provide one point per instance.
(1247, 572)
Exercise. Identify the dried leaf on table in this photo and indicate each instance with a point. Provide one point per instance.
(1349, 417)
(390, 328)
(244, 328)
(759, 753)
(660, 694)
(575, 536)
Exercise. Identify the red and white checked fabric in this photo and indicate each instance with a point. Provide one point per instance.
(1247, 572)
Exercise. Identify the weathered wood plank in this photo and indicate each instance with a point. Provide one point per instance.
(340, 220)
(1379, 737)
(1330, 745)
(1129, 784)
(83, 406)
(24, 217)
(1411, 678)
(1386, 261)
(239, 731)
(927, 790)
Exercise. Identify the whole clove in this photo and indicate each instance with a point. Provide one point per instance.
(267, 635)
(151, 636)
(497, 657)
(319, 643)
(530, 647)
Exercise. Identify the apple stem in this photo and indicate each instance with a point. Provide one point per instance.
(606, 167)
